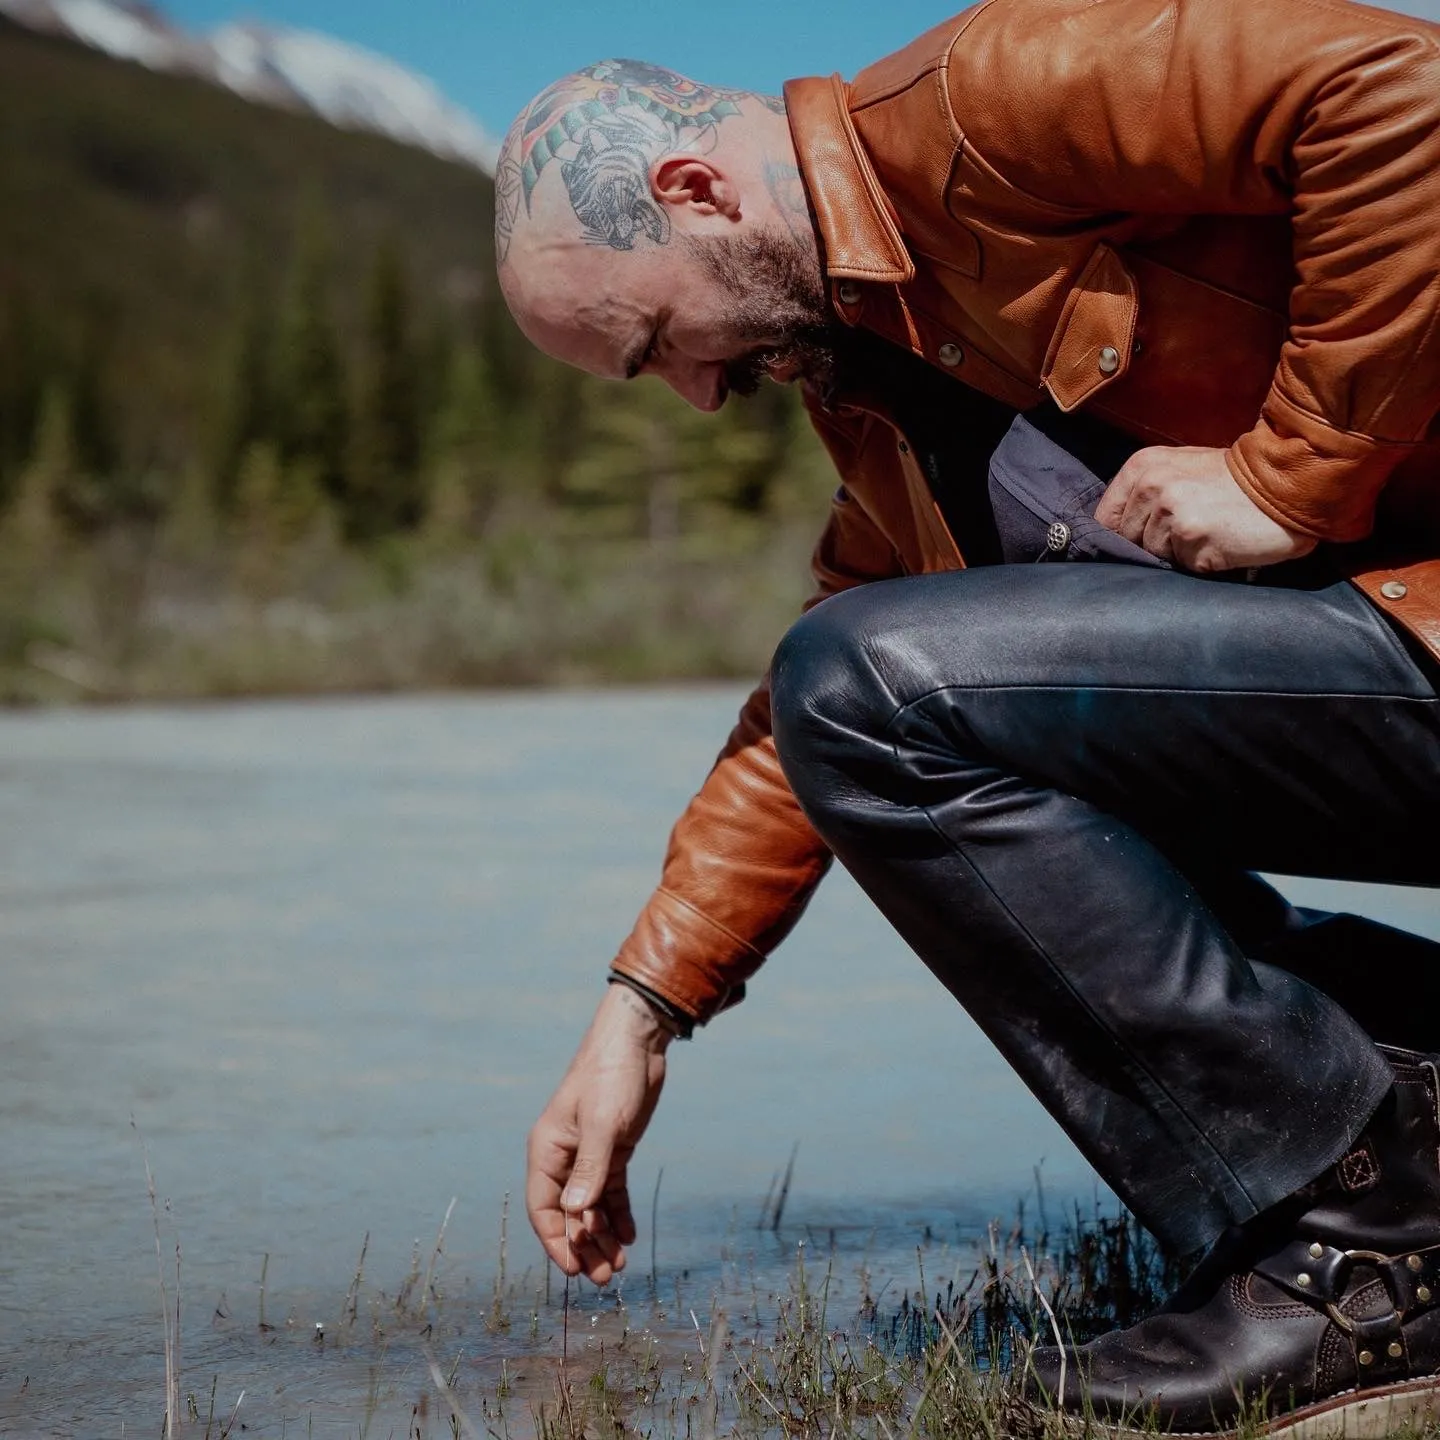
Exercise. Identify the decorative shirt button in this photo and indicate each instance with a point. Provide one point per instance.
(1394, 589)
(950, 354)
(849, 292)
(1057, 538)
(1109, 360)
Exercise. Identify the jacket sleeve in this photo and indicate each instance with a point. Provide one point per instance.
(1325, 111)
(742, 861)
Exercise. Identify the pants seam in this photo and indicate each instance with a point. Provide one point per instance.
(1242, 692)
(1132, 1061)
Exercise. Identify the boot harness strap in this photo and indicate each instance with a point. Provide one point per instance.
(1320, 1275)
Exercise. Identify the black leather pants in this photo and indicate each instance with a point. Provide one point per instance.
(1054, 780)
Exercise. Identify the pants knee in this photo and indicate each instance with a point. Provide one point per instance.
(828, 695)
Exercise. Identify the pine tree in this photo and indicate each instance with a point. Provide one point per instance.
(247, 400)
(655, 464)
(553, 425)
(387, 491)
(191, 534)
(465, 459)
(770, 418)
(93, 421)
(313, 416)
(31, 535)
(256, 523)
(21, 389)
(509, 356)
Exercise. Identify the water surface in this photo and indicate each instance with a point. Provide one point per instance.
(330, 958)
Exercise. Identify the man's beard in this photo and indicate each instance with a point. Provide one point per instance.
(772, 289)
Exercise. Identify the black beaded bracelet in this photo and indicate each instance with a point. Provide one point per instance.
(676, 1022)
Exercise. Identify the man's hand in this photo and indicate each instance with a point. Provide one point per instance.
(1182, 504)
(575, 1187)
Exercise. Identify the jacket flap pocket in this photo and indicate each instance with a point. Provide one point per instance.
(1092, 344)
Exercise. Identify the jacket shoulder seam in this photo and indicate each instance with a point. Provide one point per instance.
(1393, 21)
(937, 67)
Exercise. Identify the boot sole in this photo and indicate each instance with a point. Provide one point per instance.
(1359, 1415)
(1364, 1414)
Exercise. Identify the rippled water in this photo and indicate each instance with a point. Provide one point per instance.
(330, 958)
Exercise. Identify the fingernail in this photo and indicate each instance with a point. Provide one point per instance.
(575, 1197)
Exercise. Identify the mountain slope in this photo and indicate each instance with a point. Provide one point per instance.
(345, 84)
(143, 211)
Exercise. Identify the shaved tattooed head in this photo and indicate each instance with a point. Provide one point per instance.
(646, 224)
(600, 129)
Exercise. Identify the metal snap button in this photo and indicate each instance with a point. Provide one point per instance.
(1394, 589)
(1109, 360)
(1057, 538)
(1394, 1349)
(849, 292)
(950, 354)
(1316, 1250)
(1366, 1357)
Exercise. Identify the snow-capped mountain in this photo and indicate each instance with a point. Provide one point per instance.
(350, 87)
(346, 85)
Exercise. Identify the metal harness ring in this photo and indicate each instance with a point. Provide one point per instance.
(1370, 1257)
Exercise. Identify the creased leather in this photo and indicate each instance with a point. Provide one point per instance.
(1275, 207)
(743, 861)
(868, 244)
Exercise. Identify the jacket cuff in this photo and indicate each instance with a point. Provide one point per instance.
(691, 961)
(1310, 477)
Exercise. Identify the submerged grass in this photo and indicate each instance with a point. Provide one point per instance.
(821, 1353)
(928, 1364)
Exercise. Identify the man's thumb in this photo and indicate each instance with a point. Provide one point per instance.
(587, 1177)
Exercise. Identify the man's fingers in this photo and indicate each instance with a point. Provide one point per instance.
(551, 1229)
(1124, 507)
(599, 1259)
(1111, 509)
(1156, 535)
(581, 1145)
(622, 1220)
(600, 1239)
(581, 1244)
(585, 1245)
(590, 1174)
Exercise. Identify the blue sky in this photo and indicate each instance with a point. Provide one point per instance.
(493, 56)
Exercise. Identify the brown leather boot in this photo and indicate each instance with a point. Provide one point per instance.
(1323, 1317)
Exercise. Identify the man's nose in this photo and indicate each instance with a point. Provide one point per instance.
(698, 383)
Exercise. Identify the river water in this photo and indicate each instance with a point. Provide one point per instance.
(321, 963)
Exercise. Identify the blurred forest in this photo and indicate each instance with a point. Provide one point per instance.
(265, 426)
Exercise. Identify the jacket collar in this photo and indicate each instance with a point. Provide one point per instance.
(860, 231)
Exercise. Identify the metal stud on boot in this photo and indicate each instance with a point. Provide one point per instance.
(1322, 1319)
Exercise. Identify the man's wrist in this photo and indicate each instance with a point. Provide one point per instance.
(675, 1023)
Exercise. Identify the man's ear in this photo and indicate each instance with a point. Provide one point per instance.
(691, 180)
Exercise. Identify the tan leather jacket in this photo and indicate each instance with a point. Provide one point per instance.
(1210, 222)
